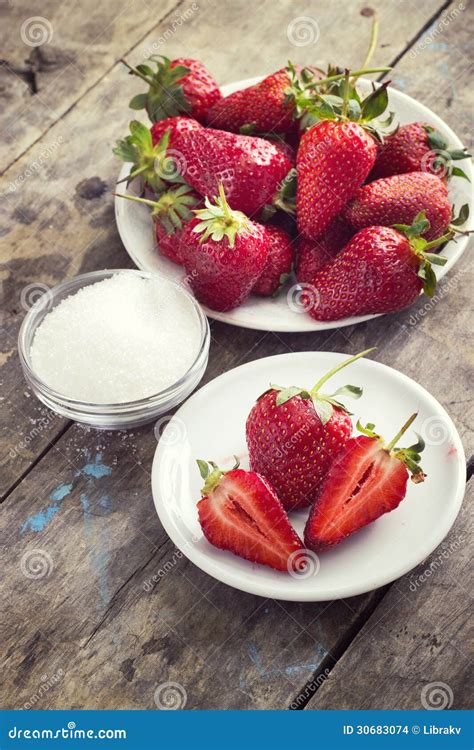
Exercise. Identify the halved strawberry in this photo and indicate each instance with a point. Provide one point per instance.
(367, 479)
(240, 512)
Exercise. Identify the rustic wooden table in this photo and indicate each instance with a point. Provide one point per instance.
(87, 630)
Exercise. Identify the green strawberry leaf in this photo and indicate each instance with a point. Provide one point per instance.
(435, 140)
(375, 104)
(138, 102)
(349, 390)
(203, 468)
(457, 153)
(287, 393)
(436, 259)
(462, 216)
(367, 430)
(458, 172)
(323, 409)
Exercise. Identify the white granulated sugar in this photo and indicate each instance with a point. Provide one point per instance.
(120, 339)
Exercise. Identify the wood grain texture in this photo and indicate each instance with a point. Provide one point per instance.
(119, 611)
(53, 55)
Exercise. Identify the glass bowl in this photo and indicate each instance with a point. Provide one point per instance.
(108, 416)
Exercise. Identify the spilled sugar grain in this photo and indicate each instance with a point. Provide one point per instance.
(118, 340)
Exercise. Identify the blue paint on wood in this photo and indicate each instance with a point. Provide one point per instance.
(92, 470)
(39, 521)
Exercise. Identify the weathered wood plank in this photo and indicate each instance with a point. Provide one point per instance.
(57, 213)
(420, 635)
(49, 61)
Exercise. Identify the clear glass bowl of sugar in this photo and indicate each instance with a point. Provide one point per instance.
(114, 349)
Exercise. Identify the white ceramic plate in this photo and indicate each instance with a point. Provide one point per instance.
(211, 425)
(283, 313)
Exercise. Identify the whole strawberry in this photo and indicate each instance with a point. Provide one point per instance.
(224, 254)
(279, 262)
(181, 86)
(380, 270)
(294, 435)
(314, 254)
(251, 169)
(334, 158)
(398, 199)
(367, 479)
(417, 147)
(170, 214)
(265, 107)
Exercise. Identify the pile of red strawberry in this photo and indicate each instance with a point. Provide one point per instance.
(296, 172)
(302, 453)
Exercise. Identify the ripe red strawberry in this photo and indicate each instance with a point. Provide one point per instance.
(170, 214)
(367, 479)
(265, 107)
(293, 436)
(381, 269)
(398, 199)
(225, 261)
(251, 169)
(314, 254)
(176, 126)
(334, 158)
(279, 262)
(241, 512)
(181, 86)
(417, 147)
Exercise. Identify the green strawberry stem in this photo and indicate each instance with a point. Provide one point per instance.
(345, 96)
(374, 32)
(439, 240)
(362, 71)
(339, 367)
(391, 445)
(410, 456)
(136, 72)
(213, 474)
(135, 198)
(172, 207)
